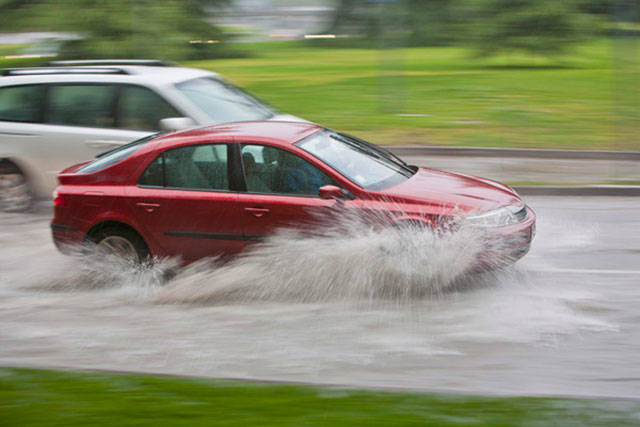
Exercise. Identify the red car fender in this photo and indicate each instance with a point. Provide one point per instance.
(120, 217)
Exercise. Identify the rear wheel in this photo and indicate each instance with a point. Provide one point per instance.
(123, 243)
(14, 191)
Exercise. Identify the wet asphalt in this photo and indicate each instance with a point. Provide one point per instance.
(565, 320)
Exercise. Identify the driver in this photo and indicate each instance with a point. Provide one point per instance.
(299, 176)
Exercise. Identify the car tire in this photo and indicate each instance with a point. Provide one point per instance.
(123, 242)
(15, 195)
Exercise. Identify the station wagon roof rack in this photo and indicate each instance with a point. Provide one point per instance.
(83, 62)
(32, 71)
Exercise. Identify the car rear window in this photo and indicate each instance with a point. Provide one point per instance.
(112, 157)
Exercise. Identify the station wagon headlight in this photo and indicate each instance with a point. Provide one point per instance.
(501, 217)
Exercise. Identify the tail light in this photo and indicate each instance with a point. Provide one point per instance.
(58, 199)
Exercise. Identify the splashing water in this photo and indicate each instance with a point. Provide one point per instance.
(350, 257)
(402, 263)
(353, 304)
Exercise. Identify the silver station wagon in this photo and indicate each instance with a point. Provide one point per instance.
(70, 111)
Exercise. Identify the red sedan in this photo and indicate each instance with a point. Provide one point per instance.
(214, 190)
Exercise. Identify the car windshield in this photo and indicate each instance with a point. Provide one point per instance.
(112, 157)
(223, 102)
(362, 163)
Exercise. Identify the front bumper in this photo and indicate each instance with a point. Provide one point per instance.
(505, 245)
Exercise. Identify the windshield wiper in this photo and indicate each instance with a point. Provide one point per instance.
(373, 150)
(377, 148)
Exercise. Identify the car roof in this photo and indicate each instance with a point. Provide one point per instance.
(104, 74)
(272, 131)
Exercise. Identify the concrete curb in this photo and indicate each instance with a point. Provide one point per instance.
(579, 190)
(436, 150)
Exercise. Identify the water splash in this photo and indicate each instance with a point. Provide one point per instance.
(358, 261)
(346, 256)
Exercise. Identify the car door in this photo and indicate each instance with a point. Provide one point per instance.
(281, 192)
(79, 123)
(184, 203)
(49, 127)
(140, 108)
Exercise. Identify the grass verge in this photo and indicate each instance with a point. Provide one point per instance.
(588, 99)
(29, 397)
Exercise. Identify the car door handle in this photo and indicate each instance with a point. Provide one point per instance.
(257, 212)
(104, 143)
(148, 207)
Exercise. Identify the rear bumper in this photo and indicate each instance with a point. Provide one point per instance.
(65, 237)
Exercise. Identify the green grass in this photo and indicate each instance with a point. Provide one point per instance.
(39, 397)
(11, 49)
(587, 99)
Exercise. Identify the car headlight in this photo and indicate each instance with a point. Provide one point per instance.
(501, 217)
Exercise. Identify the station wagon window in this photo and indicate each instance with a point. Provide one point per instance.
(196, 167)
(223, 102)
(82, 105)
(112, 157)
(21, 103)
(142, 109)
(272, 170)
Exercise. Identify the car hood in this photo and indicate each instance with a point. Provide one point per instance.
(453, 190)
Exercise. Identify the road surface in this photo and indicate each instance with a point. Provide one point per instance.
(564, 321)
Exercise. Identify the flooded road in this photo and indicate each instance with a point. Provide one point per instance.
(564, 320)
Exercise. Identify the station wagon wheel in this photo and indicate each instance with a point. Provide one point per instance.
(14, 192)
(123, 243)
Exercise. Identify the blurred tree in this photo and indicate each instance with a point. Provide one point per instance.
(598, 7)
(611, 8)
(544, 27)
(433, 22)
(425, 22)
(488, 26)
(121, 28)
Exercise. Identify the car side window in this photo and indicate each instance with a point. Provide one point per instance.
(153, 175)
(82, 105)
(275, 171)
(196, 167)
(140, 108)
(21, 103)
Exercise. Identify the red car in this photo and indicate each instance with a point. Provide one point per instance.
(214, 190)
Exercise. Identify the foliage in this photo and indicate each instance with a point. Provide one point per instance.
(406, 22)
(122, 28)
(618, 10)
(537, 26)
(544, 27)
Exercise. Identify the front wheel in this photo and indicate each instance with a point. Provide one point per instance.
(123, 243)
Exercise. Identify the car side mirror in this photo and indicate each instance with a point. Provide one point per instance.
(331, 192)
(176, 123)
